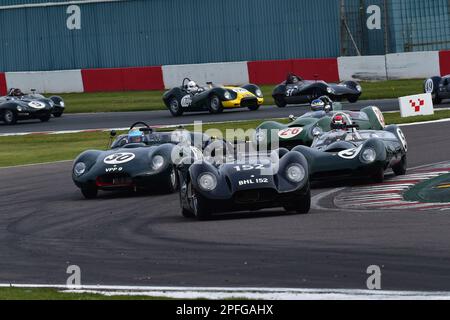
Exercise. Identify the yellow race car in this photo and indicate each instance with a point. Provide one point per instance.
(191, 98)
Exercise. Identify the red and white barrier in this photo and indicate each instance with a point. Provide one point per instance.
(3, 85)
(223, 73)
(392, 66)
(413, 65)
(362, 68)
(46, 81)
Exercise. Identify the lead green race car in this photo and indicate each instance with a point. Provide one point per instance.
(303, 130)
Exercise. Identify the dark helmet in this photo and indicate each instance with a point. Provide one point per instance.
(322, 104)
(14, 92)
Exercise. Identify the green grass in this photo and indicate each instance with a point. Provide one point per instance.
(54, 294)
(46, 148)
(151, 100)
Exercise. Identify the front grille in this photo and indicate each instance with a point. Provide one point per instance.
(249, 196)
(249, 102)
(114, 180)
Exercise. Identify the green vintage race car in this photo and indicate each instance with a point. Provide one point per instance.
(302, 130)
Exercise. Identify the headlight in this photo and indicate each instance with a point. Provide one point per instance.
(79, 169)
(52, 104)
(259, 93)
(158, 162)
(207, 182)
(260, 136)
(330, 90)
(62, 104)
(19, 108)
(316, 131)
(295, 173)
(369, 155)
(227, 95)
(359, 88)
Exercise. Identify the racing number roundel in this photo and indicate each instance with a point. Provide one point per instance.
(289, 133)
(429, 86)
(119, 158)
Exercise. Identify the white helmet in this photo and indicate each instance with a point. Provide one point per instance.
(192, 86)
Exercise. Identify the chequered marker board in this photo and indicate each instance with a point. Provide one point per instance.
(389, 195)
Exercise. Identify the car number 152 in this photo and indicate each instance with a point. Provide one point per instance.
(248, 167)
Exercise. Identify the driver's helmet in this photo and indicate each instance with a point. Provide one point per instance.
(292, 79)
(14, 92)
(340, 121)
(192, 87)
(322, 104)
(135, 136)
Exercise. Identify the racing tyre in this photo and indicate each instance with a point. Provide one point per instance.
(378, 176)
(302, 206)
(89, 192)
(57, 114)
(175, 108)
(353, 99)
(280, 103)
(45, 118)
(185, 212)
(400, 168)
(436, 99)
(215, 105)
(201, 210)
(9, 117)
(253, 108)
(171, 183)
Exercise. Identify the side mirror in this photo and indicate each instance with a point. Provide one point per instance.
(113, 133)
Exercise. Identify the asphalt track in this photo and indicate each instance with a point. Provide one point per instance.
(46, 225)
(163, 117)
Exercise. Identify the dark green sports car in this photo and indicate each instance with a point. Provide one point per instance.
(302, 130)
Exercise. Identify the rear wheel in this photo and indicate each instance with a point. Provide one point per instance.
(89, 192)
(400, 168)
(302, 206)
(174, 107)
(9, 117)
(57, 114)
(215, 105)
(436, 98)
(253, 108)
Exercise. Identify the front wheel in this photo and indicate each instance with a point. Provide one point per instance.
(436, 98)
(201, 209)
(400, 168)
(215, 105)
(45, 118)
(57, 114)
(254, 108)
(378, 176)
(9, 117)
(352, 99)
(89, 192)
(175, 108)
(302, 206)
(171, 182)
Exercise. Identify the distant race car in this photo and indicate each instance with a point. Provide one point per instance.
(346, 152)
(302, 130)
(295, 90)
(439, 87)
(19, 106)
(245, 184)
(190, 97)
(140, 159)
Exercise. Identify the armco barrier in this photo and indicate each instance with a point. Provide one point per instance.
(412, 65)
(444, 61)
(232, 73)
(3, 86)
(275, 71)
(46, 81)
(362, 68)
(122, 79)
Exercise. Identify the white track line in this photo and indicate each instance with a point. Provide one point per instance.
(248, 293)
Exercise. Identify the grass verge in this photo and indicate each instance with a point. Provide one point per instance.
(46, 148)
(151, 100)
(54, 294)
